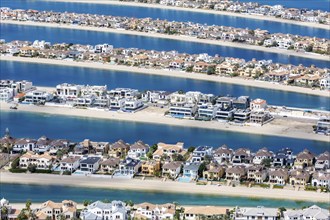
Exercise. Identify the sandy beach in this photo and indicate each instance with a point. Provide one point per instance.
(248, 16)
(154, 115)
(162, 186)
(179, 74)
(173, 37)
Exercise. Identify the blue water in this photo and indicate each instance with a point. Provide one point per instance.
(77, 129)
(51, 75)
(57, 35)
(323, 5)
(14, 192)
(141, 12)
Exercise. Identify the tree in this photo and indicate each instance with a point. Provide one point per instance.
(129, 203)
(210, 70)
(191, 149)
(15, 163)
(61, 217)
(59, 154)
(251, 32)
(86, 202)
(309, 48)
(32, 168)
(22, 215)
(266, 162)
(4, 211)
(149, 155)
(207, 159)
(189, 69)
(201, 168)
(177, 157)
(28, 205)
(281, 210)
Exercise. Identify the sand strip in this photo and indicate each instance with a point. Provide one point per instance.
(174, 37)
(179, 74)
(248, 16)
(153, 115)
(161, 186)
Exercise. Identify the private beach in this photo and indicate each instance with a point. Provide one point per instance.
(297, 129)
(173, 37)
(179, 74)
(248, 16)
(162, 186)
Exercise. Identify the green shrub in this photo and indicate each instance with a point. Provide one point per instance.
(42, 171)
(310, 188)
(263, 185)
(17, 170)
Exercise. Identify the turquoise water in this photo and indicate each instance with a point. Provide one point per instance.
(17, 193)
(210, 19)
(59, 74)
(34, 125)
(58, 35)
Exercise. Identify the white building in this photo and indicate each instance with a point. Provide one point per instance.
(223, 154)
(90, 164)
(6, 94)
(159, 97)
(260, 213)
(172, 169)
(37, 97)
(42, 162)
(102, 102)
(312, 213)
(184, 110)
(150, 211)
(70, 163)
(68, 91)
(123, 93)
(103, 48)
(52, 210)
(200, 153)
(325, 83)
(137, 150)
(132, 104)
(321, 179)
(261, 155)
(93, 90)
(258, 104)
(117, 103)
(24, 144)
(207, 111)
(84, 101)
(17, 86)
(111, 211)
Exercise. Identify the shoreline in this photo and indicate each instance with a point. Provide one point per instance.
(159, 6)
(173, 37)
(178, 74)
(152, 115)
(163, 186)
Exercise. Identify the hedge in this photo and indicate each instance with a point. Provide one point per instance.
(17, 170)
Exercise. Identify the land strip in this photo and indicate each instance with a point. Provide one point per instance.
(162, 186)
(248, 16)
(285, 128)
(173, 37)
(179, 74)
